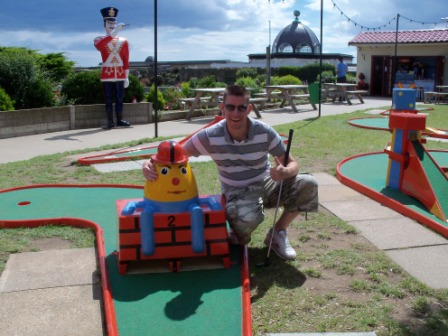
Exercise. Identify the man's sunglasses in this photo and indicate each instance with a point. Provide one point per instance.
(231, 107)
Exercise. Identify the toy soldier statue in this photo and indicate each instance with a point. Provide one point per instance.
(114, 75)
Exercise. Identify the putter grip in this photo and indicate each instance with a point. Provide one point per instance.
(288, 147)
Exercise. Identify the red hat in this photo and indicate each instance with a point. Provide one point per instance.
(169, 152)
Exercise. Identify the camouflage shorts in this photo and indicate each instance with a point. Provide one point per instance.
(244, 206)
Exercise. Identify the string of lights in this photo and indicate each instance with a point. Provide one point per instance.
(382, 26)
(421, 22)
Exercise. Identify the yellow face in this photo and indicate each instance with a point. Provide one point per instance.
(175, 183)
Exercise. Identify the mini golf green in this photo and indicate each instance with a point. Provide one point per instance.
(205, 302)
(378, 123)
(367, 173)
(382, 123)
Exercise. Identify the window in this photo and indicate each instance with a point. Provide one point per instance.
(285, 48)
(304, 49)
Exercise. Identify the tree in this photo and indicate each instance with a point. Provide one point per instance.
(23, 80)
(56, 66)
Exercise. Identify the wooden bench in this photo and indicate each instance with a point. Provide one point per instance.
(255, 101)
(441, 96)
(275, 94)
(329, 94)
(187, 102)
(355, 93)
(435, 97)
(303, 96)
(428, 97)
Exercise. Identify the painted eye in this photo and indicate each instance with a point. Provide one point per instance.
(184, 170)
(164, 171)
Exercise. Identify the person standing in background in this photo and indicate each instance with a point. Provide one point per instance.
(341, 72)
(115, 67)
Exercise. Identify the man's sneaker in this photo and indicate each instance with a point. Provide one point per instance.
(280, 245)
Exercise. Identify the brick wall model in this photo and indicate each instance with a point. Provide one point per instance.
(172, 236)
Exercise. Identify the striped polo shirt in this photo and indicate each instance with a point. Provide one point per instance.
(240, 164)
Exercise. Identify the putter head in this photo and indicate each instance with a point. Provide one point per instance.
(266, 263)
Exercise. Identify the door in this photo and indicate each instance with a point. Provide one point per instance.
(440, 67)
(380, 82)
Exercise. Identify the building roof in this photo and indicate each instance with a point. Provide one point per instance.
(325, 56)
(405, 36)
(296, 38)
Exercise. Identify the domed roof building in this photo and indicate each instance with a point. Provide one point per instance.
(296, 38)
(297, 45)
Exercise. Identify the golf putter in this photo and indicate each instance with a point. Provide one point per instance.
(267, 261)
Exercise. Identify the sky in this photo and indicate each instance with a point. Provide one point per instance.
(203, 29)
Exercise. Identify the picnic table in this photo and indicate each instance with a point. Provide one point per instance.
(289, 93)
(214, 99)
(344, 91)
(436, 96)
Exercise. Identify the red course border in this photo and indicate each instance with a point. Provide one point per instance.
(109, 310)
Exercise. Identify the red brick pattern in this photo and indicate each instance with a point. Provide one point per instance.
(172, 236)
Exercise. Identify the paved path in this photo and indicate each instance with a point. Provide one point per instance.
(27, 147)
(37, 297)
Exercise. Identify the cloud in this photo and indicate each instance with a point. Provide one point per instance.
(199, 29)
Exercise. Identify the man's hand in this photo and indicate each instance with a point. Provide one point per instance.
(279, 172)
(149, 171)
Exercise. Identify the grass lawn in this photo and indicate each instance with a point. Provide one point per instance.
(339, 282)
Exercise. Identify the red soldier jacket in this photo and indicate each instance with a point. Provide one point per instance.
(115, 54)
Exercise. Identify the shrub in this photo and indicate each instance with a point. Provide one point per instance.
(83, 88)
(208, 82)
(261, 80)
(246, 72)
(220, 85)
(6, 104)
(327, 77)
(185, 89)
(86, 88)
(23, 80)
(307, 73)
(56, 66)
(134, 90)
(275, 80)
(171, 96)
(289, 79)
(160, 100)
(249, 83)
